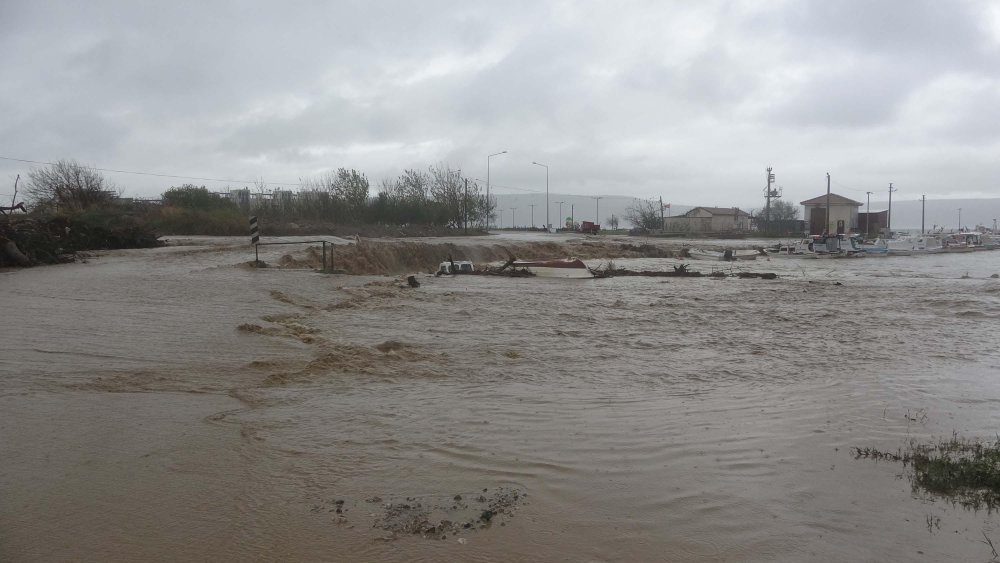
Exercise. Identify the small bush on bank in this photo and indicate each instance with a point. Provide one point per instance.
(44, 237)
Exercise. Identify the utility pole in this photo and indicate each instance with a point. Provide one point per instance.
(826, 228)
(959, 219)
(546, 195)
(597, 211)
(888, 220)
(768, 194)
(489, 208)
(868, 215)
(661, 213)
(572, 215)
(466, 206)
(513, 222)
(532, 206)
(561, 218)
(923, 205)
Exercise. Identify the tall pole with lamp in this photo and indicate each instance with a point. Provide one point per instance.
(868, 214)
(489, 207)
(546, 193)
(888, 220)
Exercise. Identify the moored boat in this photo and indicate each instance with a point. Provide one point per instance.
(837, 246)
(801, 249)
(963, 242)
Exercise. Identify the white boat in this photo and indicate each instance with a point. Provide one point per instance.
(837, 246)
(801, 249)
(558, 268)
(905, 246)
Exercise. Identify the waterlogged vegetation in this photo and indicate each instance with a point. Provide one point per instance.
(965, 472)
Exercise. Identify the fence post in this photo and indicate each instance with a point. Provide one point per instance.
(254, 237)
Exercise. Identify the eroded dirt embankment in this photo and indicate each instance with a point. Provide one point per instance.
(396, 257)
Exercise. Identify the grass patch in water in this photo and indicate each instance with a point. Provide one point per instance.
(966, 472)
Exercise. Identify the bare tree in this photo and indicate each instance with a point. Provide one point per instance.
(612, 222)
(69, 185)
(321, 183)
(644, 214)
(13, 206)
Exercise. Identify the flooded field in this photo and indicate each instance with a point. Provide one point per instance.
(174, 404)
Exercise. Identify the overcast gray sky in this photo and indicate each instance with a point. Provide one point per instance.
(688, 100)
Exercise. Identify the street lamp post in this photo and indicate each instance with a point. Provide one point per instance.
(513, 222)
(868, 215)
(546, 193)
(560, 217)
(959, 219)
(597, 210)
(489, 208)
(888, 220)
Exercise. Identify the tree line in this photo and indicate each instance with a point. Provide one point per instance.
(438, 196)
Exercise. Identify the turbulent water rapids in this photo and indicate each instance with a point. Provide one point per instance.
(176, 405)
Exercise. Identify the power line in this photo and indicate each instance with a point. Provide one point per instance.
(160, 175)
(849, 188)
(231, 181)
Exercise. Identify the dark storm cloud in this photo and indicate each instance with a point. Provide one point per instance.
(650, 98)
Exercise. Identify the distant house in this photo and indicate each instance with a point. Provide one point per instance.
(709, 220)
(843, 214)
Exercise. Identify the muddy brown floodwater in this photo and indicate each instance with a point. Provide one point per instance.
(174, 405)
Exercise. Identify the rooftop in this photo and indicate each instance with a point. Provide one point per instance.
(834, 200)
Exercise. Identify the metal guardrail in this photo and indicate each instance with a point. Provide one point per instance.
(256, 254)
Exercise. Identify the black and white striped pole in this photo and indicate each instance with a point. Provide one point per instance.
(254, 236)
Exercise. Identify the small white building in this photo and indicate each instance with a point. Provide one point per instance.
(843, 214)
(709, 220)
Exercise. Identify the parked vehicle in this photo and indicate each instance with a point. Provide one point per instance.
(449, 268)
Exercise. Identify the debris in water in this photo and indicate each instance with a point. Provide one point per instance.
(435, 520)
